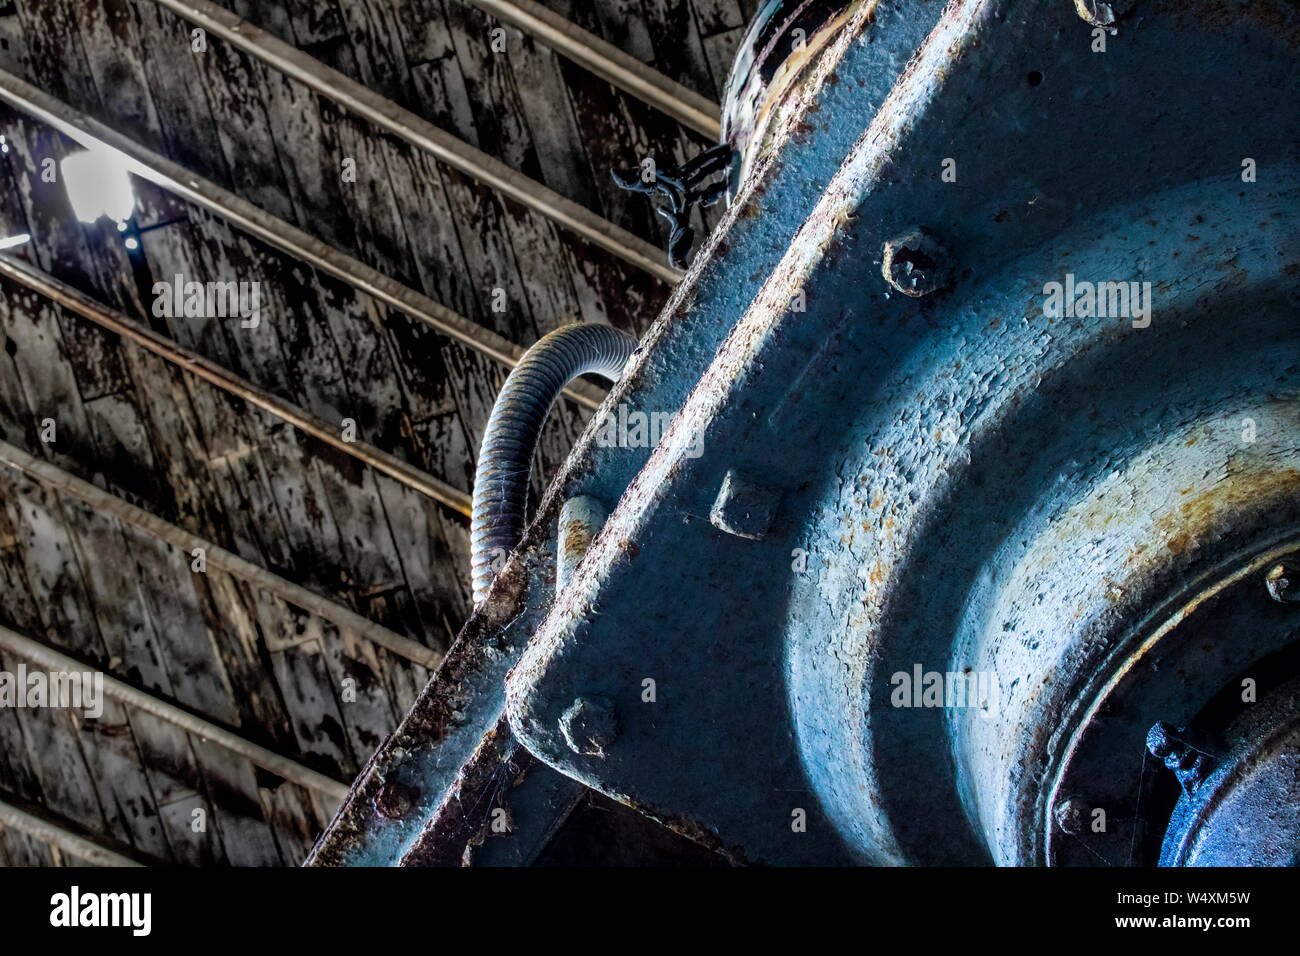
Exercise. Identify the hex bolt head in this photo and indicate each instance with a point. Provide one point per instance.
(1283, 583)
(744, 507)
(395, 800)
(590, 725)
(915, 263)
(1071, 815)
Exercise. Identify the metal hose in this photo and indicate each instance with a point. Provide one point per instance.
(506, 455)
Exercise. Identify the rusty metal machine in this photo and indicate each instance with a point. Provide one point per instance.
(971, 530)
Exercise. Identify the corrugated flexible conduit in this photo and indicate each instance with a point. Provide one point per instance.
(506, 455)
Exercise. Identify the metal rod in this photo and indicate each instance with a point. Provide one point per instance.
(290, 770)
(276, 232)
(218, 557)
(178, 355)
(84, 848)
(419, 132)
(609, 63)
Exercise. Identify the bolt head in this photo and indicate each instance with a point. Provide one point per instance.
(590, 725)
(395, 800)
(1283, 583)
(1103, 13)
(1096, 12)
(914, 263)
(743, 507)
(1071, 815)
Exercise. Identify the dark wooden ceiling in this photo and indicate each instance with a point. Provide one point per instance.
(92, 583)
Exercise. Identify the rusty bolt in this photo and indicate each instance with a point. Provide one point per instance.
(914, 263)
(1283, 582)
(1071, 814)
(743, 507)
(590, 725)
(1102, 13)
(395, 800)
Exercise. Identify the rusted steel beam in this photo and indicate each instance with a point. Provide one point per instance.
(282, 766)
(457, 745)
(217, 556)
(56, 834)
(609, 63)
(422, 134)
(146, 338)
(276, 232)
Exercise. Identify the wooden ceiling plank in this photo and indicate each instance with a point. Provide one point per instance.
(21, 849)
(317, 722)
(243, 828)
(231, 430)
(375, 30)
(523, 112)
(270, 229)
(369, 550)
(290, 770)
(75, 617)
(107, 27)
(507, 245)
(431, 373)
(489, 58)
(133, 646)
(194, 840)
(435, 569)
(718, 16)
(19, 593)
(125, 790)
(44, 827)
(216, 556)
(294, 820)
(57, 57)
(179, 95)
(53, 749)
(369, 713)
(387, 115)
(175, 759)
(55, 420)
(501, 90)
(675, 38)
(609, 63)
(183, 358)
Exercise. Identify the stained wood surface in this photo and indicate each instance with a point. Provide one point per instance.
(120, 600)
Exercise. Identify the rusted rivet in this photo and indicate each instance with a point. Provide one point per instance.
(914, 263)
(590, 725)
(1070, 815)
(1283, 583)
(395, 800)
